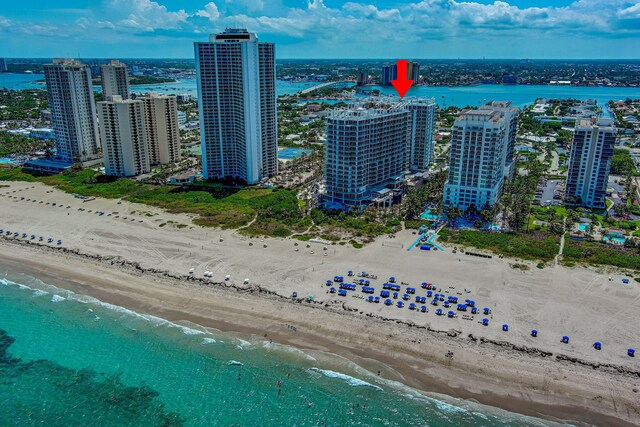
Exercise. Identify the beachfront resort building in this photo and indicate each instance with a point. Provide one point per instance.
(590, 162)
(476, 172)
(115, 80)
(370, 147)
(365, 151)
(162, 128)
(123, 136)
(73, 111)
(511, 122)
(237, 105)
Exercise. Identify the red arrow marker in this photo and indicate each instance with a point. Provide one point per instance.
(402, 84)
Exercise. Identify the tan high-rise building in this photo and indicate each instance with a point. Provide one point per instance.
(115, 80)
(161, 122)
(123, 136)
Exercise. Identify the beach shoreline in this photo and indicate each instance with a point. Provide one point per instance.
(154, 262)
(333, 330)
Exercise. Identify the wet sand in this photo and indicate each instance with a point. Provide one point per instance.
(508, 370)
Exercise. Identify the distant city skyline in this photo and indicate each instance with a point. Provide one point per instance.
(513, 29)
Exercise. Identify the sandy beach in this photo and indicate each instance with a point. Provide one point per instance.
(139, 257)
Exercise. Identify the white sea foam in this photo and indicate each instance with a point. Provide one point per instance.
(57, 298)
(448, 408)
(39, 293)
(356, 382)
(190, 331)
(271, 346)
(209, 341)
(235, 362)
(241, 344)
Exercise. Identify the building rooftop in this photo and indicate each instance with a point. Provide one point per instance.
(589, 123)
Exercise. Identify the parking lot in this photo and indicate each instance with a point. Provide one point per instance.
(550, 192)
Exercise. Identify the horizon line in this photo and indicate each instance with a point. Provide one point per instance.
(343, 59)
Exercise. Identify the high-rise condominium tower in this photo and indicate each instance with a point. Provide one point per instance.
(371, 144)
(476, 159)
(163, 133)
(123, 136)
(511, 119)
(237, 105)
(422, 118)
(590, 163)
(413, 71)
(73, 112)
(115, 80)
(390, 72)
(366, 147)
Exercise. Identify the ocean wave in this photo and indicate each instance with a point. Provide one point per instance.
(448, 408)
(189, 331)
(8, 282)
(234, 363)
(356, 382)
(57, 298)
(271, 346)
(209, 341)
(39, 293)
(241, 344)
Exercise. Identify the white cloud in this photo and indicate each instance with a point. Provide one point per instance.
(355, 25)
(371, 12)
(631, 12)
(148, 15)
(210, 11)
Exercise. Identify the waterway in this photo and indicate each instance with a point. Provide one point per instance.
(459, 96)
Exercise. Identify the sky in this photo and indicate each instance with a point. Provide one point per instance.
(590, 29)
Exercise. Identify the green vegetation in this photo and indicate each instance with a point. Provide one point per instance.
(429, 193)
(21, 145)
(22, 104)
(533, 246)
(366, 226)
(415, 224)
(277, 212)
(274, 212)
(622, 163)
(518, 194)
(601, 254)
(355, 244)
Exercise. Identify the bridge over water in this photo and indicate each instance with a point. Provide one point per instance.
(333, 85)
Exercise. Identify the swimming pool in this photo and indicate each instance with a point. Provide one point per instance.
(583, 227)
(291, 152)
(6, 161)
(428, 215)
(617, 239)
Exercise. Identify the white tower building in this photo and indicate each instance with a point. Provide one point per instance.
(73, 112)
(237, 105)
(590, 163)
(477, 159)
(115, 80)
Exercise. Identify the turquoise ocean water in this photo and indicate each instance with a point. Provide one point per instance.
(67, 359)
(460, 96)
